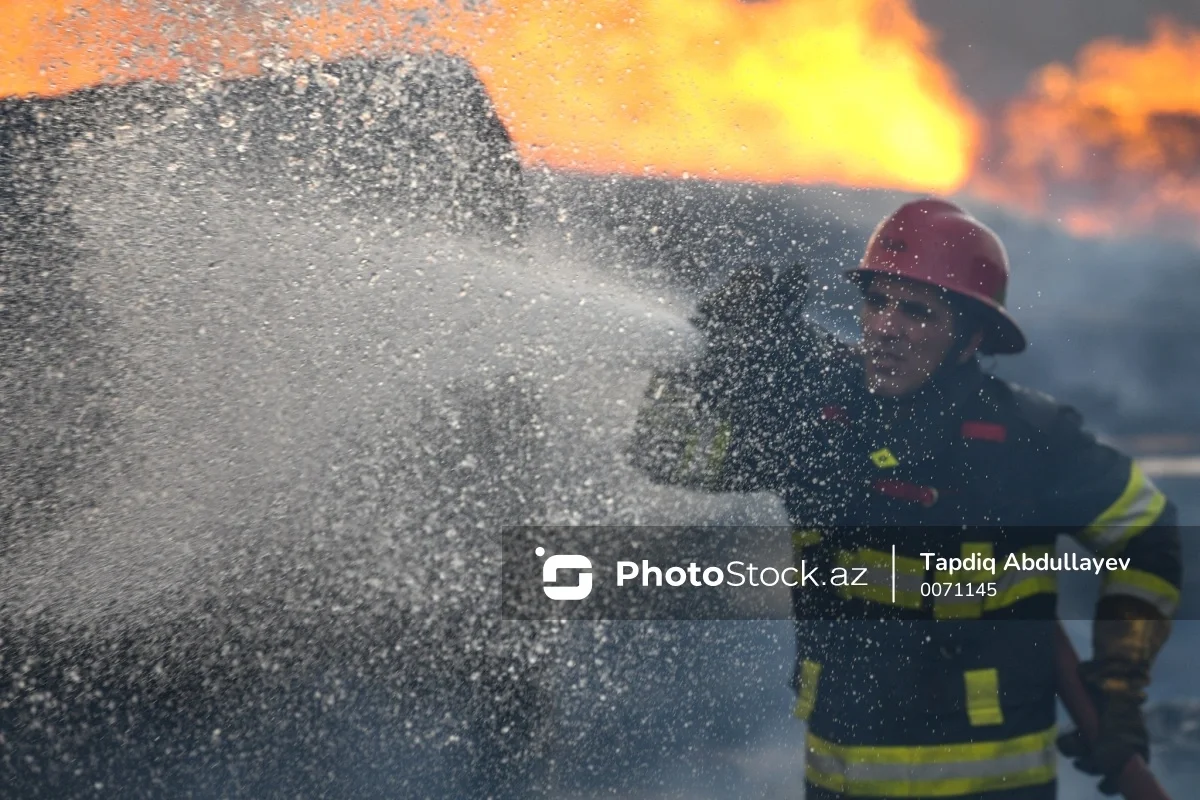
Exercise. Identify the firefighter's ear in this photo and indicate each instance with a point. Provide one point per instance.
(970, 347)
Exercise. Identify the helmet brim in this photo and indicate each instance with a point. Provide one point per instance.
(1002, 336)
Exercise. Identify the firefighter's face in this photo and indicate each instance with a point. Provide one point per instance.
(908, 328)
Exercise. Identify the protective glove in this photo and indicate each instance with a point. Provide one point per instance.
(751, 307)
(747, 327)
(1126, 639)
(1122, 735)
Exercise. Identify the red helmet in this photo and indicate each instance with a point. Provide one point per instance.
(936, 242)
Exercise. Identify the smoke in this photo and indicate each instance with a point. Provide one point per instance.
(994, 49)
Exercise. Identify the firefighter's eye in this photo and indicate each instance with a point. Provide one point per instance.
(875, 301)
(918, 311)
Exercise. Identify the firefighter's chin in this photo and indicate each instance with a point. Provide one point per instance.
(890, 376)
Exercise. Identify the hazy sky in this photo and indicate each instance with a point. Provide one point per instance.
(993, 46)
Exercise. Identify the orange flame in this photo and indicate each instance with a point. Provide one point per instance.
(845, 91)
(1113, 145)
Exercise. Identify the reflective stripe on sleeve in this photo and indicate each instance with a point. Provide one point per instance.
(964, 602)
(803, 538)
(806, 537)
(1015, 585)
(1135, 510)
(806, 700)
(1145, 586)
(720, 446)
(932, 770)
(870, 577)
(704, 453)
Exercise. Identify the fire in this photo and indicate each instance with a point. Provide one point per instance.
(1113, 144)
(846, 92)
(55, 46)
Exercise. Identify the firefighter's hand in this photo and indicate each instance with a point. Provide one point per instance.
(1122, 733)
(753, 303)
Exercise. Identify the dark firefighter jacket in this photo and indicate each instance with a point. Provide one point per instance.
(954, 696)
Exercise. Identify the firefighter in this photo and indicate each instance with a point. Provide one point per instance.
(905, 440)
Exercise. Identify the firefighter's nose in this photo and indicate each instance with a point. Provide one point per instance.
(879, 323)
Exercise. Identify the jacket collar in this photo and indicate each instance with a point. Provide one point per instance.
(939, 401)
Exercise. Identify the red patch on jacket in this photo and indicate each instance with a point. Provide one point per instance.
(835, 414)
(987, 431)
(903, 490)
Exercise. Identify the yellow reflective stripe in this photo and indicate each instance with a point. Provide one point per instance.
(806, 700)
(1035, 552)
(1012, 585)
(1135, 510)
(956, 603)
(983, 697)
(962, 603)
(932, 770)
(980, 549)
(704, 454)
(876, 581)
(1015, 585)
(878, 559)
(689, 450)
(802, 538)
(720, 445)
(1145, 586)
(935, 754)
(805, 537)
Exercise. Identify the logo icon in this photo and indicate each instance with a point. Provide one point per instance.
(550, 572)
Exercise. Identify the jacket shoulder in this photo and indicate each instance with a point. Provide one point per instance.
(1040, 410)
(1031, 413)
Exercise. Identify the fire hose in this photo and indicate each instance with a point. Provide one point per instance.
(1135, 782)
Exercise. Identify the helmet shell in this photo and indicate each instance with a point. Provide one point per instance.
(934, 241)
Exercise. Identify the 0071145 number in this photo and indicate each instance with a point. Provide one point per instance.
(954, 589)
